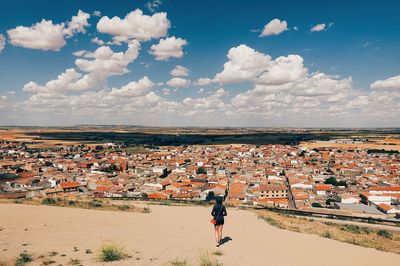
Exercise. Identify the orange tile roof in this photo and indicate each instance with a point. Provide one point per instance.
(67, 185)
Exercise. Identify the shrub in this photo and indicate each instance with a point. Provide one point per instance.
(48, 261)
(124, 207)
(385, 233)
(111, 252)
(218, 253)
(74, 262)
(23, 259)
(316, 205)
(146, 210)
(49, 201)
(206, 260)
(327, 234)
(177, 262)
(71, 202)
(88, 251)
(355, 229)
(95, 203)
(53, 253)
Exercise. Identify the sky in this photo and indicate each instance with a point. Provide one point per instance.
(253, 63)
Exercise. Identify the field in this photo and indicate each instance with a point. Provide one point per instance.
(42, 138)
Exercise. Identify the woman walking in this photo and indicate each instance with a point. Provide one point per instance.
(218, 212)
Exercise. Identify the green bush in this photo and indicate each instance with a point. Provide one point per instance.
(23, 259)
(95, 203)
(385, 233)
(111, 252)
(49, 201)
(124, 207)
(355, 229)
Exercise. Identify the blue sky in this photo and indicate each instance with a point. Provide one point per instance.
(360, 40)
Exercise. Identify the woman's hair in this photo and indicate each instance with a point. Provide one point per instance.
(218, 200)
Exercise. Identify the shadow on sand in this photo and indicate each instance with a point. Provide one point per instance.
(225, 240)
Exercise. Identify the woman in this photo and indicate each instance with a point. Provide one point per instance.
(218, 212)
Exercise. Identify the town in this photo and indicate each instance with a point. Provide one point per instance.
(362, 182)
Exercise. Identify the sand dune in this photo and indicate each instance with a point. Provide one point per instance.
(169, 233)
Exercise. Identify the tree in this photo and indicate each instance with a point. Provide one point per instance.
(331, 180)
(316, 205)
(201, 170)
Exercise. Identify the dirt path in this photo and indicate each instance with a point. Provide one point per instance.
(167, 233)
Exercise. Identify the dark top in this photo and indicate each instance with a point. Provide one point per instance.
(222, 212)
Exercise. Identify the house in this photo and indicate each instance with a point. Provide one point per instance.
(384, 190)
(346, 198)
(70, 186)
(388, 209)
(267, 191)
(322, 189)
(371, 199)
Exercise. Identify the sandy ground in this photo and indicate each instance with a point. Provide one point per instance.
(169, 233)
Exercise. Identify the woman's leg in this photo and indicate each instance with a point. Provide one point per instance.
(220, 232)
(216, 233)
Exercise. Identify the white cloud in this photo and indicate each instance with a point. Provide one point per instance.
(133, 89)
(96, 68)
(2, 42)
(78, 23)
(203, 81)
(135, 25)
(168, 47)
(153, 5)
(244, 64)
(321, 27)
(392, 83)
(178, 83)
(96, 13)
(97, 41)
(45, 35)
(274, 27)
(64, 82)
(179, 71)
(283, 70)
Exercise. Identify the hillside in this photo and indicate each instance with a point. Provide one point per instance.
(167, 233)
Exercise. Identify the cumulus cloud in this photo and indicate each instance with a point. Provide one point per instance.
(178, 82)
(274, 27)
(392, 83)
(78, 23)
(45, 35)
(244, 64)
(179, 71)
(168, 47)
(203, 81)
(284, 69)
(95, 68)
(2, 42)
(135, 25)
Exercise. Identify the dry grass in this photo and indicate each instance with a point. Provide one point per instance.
(205, 259)
(96, 204)
(357, 235)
